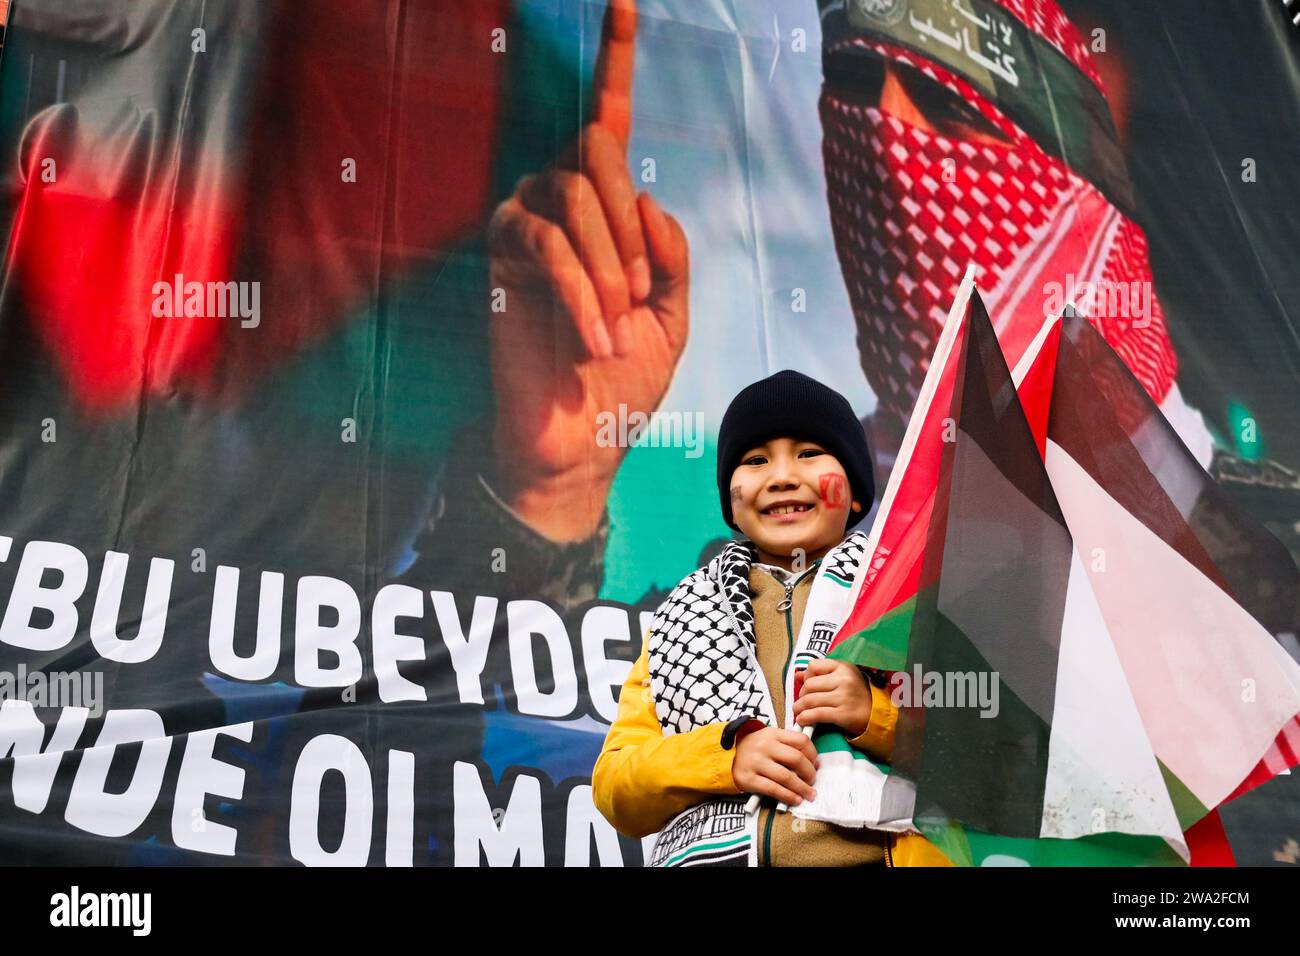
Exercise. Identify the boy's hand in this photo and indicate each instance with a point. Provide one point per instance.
(776, 763)
(834, 692)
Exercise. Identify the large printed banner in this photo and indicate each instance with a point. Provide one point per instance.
(361, 362)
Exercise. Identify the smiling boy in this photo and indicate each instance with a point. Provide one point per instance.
(703, 718)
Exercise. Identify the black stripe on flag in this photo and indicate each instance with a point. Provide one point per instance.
(991, 602)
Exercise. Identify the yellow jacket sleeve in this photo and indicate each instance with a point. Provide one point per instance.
(643, 778)
(878, 738)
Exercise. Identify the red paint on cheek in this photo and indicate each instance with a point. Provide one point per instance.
(833, 491)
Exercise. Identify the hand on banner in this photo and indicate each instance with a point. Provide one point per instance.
(833, 692)
(773, 762)
(595, 308)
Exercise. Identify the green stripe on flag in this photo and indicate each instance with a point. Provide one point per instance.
(1186, 806)
(882, 645)
(832, 741)
(966, 847)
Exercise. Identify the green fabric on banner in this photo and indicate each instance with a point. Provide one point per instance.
(663, 509)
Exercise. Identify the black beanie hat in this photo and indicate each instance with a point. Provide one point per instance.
(794, 405)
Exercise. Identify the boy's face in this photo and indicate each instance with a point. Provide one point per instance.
(785, 471)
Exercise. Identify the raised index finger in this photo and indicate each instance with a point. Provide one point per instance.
(615, 62)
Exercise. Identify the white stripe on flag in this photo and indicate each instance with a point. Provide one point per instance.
(1101, 774)
(1212, 685)
(850, 793)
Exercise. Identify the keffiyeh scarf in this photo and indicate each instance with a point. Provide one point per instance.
(703, 667)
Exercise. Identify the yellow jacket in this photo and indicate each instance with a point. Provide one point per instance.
(643, 778)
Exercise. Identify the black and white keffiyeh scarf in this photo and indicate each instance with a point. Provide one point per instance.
(703, 667)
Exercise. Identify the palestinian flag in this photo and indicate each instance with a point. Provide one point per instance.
(1080, 625)
(1205, 622)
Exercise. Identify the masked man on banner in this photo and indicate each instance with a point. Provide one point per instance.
(959, 131)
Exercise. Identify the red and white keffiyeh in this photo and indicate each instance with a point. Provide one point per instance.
(910, 208)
